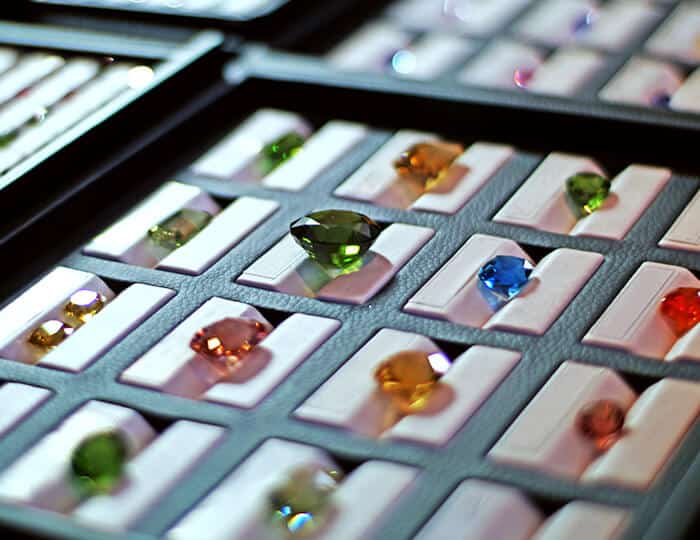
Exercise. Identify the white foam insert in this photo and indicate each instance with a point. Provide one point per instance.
(566, 71)
(556, 281)
(553, 21)
(618, 23)
(18, 401)
(640, 80)
(581, 520)
(152, 474)
(350, 398)
(127, 239)
(119, 317)
(231, 158)
(654, 427)
(685, 232)
(497, 63)
(30, 69)
(324, 148)
(222, 233)
(634, 322)
(479, 510)
(453, 293)
(360, 502)
(377, 181)
(40, 476)
(171, 366)
(677, 38)
(8, 58)
(42, 301)
(687, 97)
(286, 267)
(540, 202)
(370, 47)
(545, 436)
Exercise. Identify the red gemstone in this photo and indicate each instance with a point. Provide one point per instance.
(602, 422)
(228, 341)
(682, 309)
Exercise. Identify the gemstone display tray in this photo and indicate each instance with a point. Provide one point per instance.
(262, 79)
(171, 53)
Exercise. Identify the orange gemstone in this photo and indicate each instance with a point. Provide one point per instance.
(602, 422)
(228, 341)
(428, 162)
(682, 309)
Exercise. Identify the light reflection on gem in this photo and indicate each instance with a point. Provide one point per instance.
(404, 62)
(584, 22)
(440, 362)
(139, 76)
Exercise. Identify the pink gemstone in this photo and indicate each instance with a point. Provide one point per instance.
(522, 77)
(228, 341)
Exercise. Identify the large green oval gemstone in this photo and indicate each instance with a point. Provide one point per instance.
(586, 192)
(97, 464)
(335, 237)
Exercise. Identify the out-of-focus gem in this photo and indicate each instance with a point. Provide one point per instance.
(428, 162)
(301, 504)
(410, 377)
(602, 422)
(179, 228)
(97, 464)
(279, 151)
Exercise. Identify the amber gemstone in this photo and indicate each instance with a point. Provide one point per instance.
(428, 162)
(50, 334)
(602, 422)
(299, 506)
(84, 305)
(682, 309)
(410, 377)
(179, 228)
(228, 341)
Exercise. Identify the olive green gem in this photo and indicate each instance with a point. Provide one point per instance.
(179, 228)
(97, 464)
(336, 238)
(586, 192)
(301, 504)
(279, 151)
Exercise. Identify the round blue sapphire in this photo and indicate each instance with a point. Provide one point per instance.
(502, 278)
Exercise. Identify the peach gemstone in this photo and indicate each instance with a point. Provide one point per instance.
(228, 341)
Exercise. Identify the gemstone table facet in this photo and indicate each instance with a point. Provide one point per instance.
(279, 151)
(503, 278)
(301, 505)
(410, 377)
(586, 192)
(682, 309)
(50, 334)
(97, 463)
(337, 238)
(228, 341)
(84, 305)
(428, 162)
(180, 228)
(602, 422)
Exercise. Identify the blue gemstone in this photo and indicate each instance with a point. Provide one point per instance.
(502, 278)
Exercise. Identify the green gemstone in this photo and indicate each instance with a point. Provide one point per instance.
(336, 238)
(279, 151)
(179, 228)
(97, 464)
(302, 503)
(586, 192)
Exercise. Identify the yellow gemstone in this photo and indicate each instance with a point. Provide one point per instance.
(84, 305)
(179, 228)
(428, 162)
(410, 377)
(50, 334)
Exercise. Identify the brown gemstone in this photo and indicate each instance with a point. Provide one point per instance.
(428, 162)
(602, 421)
(228, 341)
